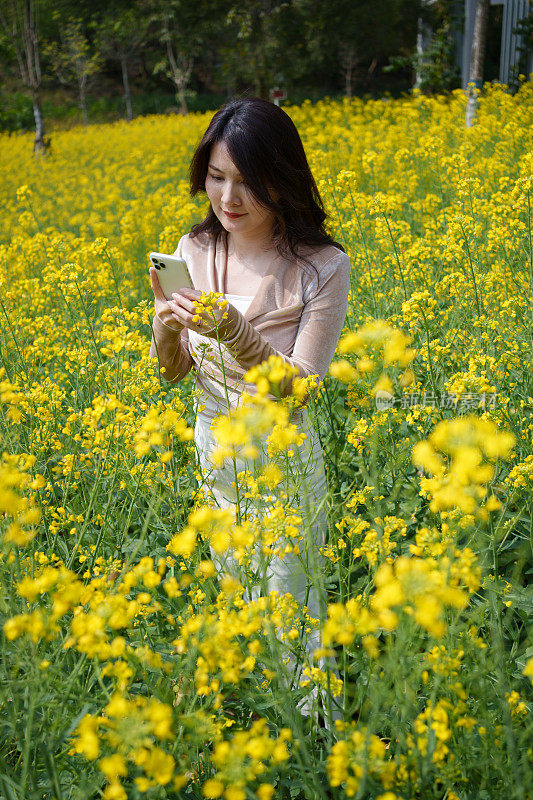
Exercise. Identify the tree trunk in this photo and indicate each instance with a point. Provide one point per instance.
(39, 144)
(126, 84)
(229, 87)
(419, 51)
(83, 106)
(182, 99)
(263, 88)
(349, 63)
(477, 59)
(370, 70)
(181, 72)
(261, 82)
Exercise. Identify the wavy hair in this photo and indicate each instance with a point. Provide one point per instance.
(266, 148)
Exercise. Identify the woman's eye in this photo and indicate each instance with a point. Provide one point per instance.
(215, 177)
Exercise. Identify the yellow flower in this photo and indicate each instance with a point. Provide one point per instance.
(212, 788)
(467, 445)
(383, 384)
(87, 741)
(438, 238)
(157, 765)
(271, 475)
(184, 543)
(114, 791)
(235, 793)
(113, 766)
(343, 371)
(160, 717)
(425, 456)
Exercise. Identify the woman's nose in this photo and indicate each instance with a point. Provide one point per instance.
(230, 194)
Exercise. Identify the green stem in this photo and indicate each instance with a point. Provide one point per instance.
(12, 332)
(367, 256)
(396, 256)
(234, 461)
(28, 730)
(125, 527)
(87, 515)
(471, 265)
(530, 248)
(430, 363)
(112, 265)
(149, 512)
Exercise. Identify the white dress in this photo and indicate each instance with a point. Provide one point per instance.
(299, 574)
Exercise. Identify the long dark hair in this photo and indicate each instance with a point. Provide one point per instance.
(266, 148)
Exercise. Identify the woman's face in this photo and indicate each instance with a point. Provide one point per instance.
(231, 199)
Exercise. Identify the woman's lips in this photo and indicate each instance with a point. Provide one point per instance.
(233, 216)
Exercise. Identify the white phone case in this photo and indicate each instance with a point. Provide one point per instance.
(172, 273)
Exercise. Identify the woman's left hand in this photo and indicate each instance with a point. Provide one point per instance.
(205, 323)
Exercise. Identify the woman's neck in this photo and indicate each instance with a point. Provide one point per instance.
(251, 250)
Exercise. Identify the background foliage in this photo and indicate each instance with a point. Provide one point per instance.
(308, 48)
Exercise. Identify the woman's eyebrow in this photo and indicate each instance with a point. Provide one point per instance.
(212, 166)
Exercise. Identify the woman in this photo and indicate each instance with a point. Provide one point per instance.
(263, 245)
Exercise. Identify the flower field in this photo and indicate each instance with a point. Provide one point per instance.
(131, 667)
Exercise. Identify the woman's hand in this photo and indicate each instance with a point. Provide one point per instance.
(206, 323)
(162, 307)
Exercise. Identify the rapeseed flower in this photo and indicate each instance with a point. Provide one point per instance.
(98, 472)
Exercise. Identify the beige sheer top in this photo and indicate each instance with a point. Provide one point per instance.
(297, 313)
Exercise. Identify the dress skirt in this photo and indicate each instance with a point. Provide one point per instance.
(300, 574)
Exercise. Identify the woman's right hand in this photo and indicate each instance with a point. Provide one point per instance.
(162, 308)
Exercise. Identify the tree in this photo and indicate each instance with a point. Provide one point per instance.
(120, 35)
(361, 32)
(20, 22)
(72, 59)
(434, 61)
(267, 45)
(524, 30)
(182, 27)
(477, 59)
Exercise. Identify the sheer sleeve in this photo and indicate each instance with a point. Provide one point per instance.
(171, 346)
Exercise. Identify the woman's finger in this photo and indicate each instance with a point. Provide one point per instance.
(190, 319)
(156, 286)
(192, 294)
(184, 302)
(184, 316)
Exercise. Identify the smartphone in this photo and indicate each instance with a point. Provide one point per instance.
(172, 273)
